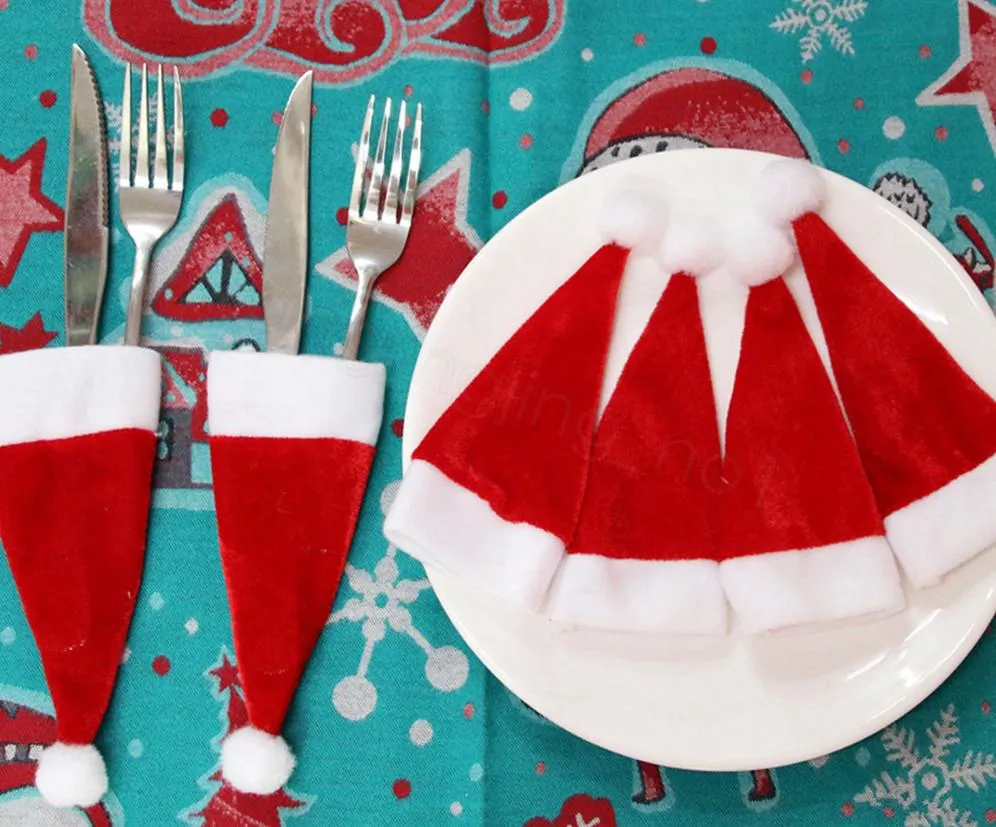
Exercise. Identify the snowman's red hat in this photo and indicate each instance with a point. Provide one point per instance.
(691, 107)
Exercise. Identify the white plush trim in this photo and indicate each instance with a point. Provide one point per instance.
(633, 219)
(683, 597)
(443, 524)
(815, 585)
(56, 393)
(757, 252)
(253, 761)
(691, 245)
(289, 395)
(71, 775)
(788, 188)
(939, 532)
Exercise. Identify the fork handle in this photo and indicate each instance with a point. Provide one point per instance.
(358, 315)
(136, 301)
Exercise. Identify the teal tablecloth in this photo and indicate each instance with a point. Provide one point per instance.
(396, 722)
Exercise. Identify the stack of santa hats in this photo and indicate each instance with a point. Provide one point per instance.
(650, 516)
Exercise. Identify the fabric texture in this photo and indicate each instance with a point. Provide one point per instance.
(793, 483)
(651, 489)
(395, 720)
(519, 436)
(78, 587)
(923, 425)
(73, 517)
(287, 503)
(286, 513)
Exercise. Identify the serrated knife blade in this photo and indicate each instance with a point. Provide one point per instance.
(85, 244)
(285, 259)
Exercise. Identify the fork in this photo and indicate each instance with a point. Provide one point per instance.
(149, 206)
(378, 224)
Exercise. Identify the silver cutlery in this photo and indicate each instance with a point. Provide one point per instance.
(85, 239)
(379, 220)
(285, 258)
(149, 203)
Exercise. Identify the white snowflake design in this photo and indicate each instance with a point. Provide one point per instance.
(923, 791)
(383, 602)
(817, 18)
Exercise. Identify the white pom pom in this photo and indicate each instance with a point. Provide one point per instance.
(787, 189)
(256, 762)
(633, 219)
(691, 245)
(757, 252)
(71, 775)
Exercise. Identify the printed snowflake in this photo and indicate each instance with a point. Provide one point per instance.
(818, 18)
(924, 789)
(383, 602)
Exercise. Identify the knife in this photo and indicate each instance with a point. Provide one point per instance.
(85, 241)
(285, 259)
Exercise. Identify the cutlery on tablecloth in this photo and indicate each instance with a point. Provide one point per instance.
(85, 240)
(285, 258)
(149, 206)
(292, 439)
(378, 222)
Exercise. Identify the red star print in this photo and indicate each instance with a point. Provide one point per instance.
(971, 80)
(33, 335)
(440, 246)
(24, 209)
(227, 674)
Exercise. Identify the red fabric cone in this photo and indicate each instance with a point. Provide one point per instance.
(644, 554)
(799, 532)
(77, 446)
(74, 515)
(286, 513)
(494, 488)
(292, 443)
(926, 432)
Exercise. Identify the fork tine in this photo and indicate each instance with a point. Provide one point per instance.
(371, 210)
(142, 159)
(362, 155)
(415, 161)
(159, 177)
(124, 153)
(178, 159)
(394, 175)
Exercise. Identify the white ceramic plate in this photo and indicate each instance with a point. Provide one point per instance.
(735, 703)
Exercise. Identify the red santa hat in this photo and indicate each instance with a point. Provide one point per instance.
(925, 430)
(292, 441)
(799, 531)
(77, 447)
(643, 557)
(494, 490)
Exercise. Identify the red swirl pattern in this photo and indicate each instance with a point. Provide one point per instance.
(341, 40)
